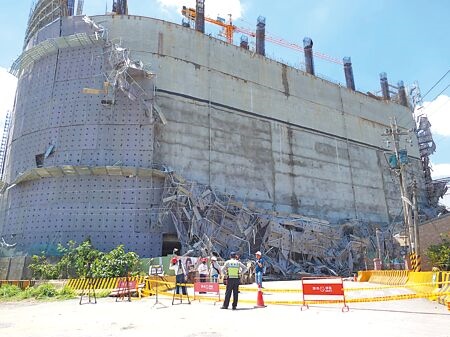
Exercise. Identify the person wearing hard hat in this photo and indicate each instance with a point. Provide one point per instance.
(259, 269)
(215, 269)
(180, 274)
(203, 271)
(233, 269)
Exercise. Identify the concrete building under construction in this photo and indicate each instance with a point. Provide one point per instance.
(118, 117)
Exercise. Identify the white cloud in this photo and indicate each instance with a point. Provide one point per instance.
(213, 8)
(438, 112)
(8, 85)
(445, 201)
(440, 171)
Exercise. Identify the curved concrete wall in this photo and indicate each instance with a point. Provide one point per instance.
(270, 134)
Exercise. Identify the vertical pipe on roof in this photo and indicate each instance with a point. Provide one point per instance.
(384, 86)
(402, 94)
(348, 71)
(71, 7)
(120, 7)
(200, 16)
(261, 35)
(244, 42)
(309, 61)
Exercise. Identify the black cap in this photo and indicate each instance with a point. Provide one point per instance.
(233, 254)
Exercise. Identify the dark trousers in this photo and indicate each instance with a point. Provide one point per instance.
(180, 279)
(232, 286)
(203, 278)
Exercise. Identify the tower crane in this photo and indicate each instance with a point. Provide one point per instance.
(229, 30)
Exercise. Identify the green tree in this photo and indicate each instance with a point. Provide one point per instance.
(439, 254)
(85, 261)
(41, 268)
(116, 263)
(76, 261)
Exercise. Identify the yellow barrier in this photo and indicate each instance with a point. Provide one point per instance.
(443, 292)
(421, 282)
(99, 283)
(22, 284)
(364, 275)
(392, 277)
(425, 284)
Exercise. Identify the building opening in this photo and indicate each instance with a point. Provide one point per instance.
(170, 242)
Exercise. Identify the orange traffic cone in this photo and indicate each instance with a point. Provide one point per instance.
(260, 300)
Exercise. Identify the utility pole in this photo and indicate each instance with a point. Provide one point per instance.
(416, 227)
(398, 162)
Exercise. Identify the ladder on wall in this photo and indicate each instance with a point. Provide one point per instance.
(4, 143)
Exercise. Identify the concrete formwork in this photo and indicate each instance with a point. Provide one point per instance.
(267, 133)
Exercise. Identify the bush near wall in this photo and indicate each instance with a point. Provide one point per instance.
(83, 260)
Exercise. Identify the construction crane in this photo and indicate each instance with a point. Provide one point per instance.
(229, 30)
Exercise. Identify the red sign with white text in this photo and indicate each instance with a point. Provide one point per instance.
(322, 289)
(123, 285)
(207, 287)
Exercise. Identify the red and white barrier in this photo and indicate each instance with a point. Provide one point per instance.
(206, 289)
(326, 289)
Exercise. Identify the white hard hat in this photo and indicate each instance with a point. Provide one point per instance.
(214, 258)
(258, 253)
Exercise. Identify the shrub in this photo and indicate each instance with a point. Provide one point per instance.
(45, 290)
(42, 269)
(116, 263)
(26, 294)
(66, 293)
(85, 261)
(439, 254)
(8, 291)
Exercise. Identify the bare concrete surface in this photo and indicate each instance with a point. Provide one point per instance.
(417, 317)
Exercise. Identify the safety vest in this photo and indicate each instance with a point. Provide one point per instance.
(233, 270)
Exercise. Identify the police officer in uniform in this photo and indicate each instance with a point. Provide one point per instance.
(233, 269)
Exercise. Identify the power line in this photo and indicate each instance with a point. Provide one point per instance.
(441, 92)
(448, 71)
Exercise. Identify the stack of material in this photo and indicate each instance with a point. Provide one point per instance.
(208, 222)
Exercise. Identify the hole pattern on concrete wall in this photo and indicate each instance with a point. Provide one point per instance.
(84, 131)
(112, 210)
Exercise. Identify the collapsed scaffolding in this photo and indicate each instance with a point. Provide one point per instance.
(209, 223)
(122, 73)
(435, 189)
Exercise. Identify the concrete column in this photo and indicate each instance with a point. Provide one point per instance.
(71, 7)
(261, 36)
(120, 7)
(384, 86)
(244, 42)
(348, 71)
(402, 94)
(309, 60)
(200, 16)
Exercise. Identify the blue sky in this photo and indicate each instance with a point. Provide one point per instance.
(409, 40)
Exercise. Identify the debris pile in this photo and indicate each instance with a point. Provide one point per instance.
(208, 222)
